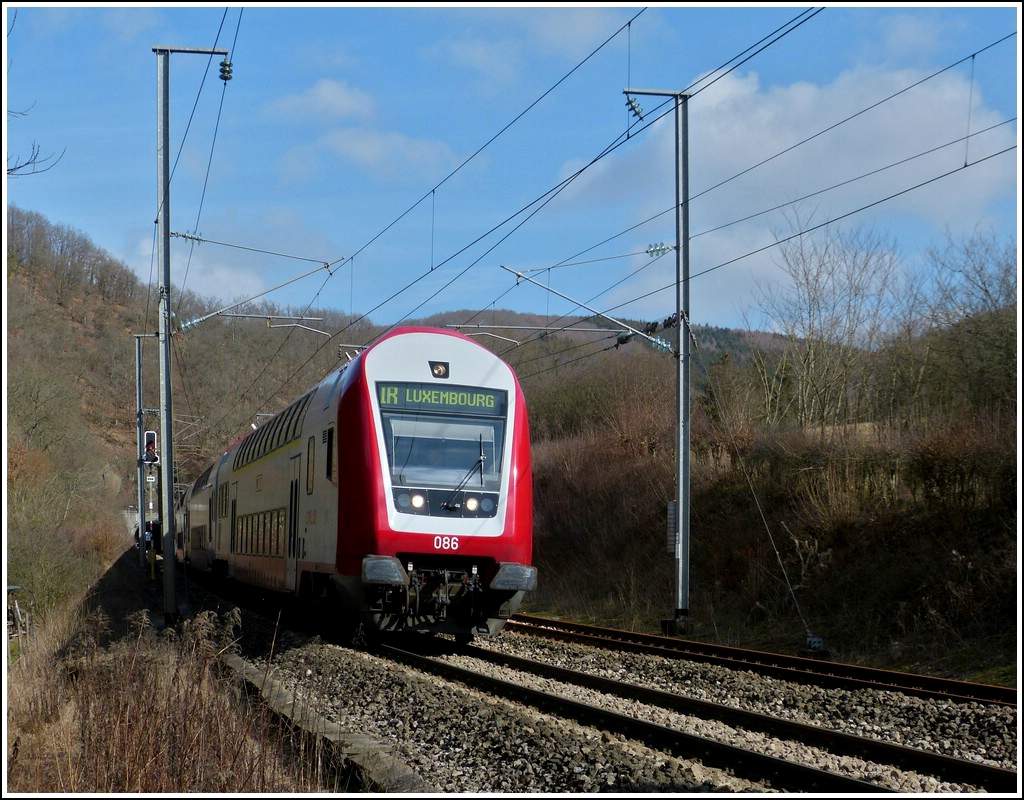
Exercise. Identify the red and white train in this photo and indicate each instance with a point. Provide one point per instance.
(396, 494)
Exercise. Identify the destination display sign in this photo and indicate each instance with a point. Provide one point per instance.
(448, 399)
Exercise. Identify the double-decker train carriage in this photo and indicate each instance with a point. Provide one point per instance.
(396, 494)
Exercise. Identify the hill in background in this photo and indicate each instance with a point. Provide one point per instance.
(867, 495)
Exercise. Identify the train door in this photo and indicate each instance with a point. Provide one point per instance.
(233, 518)
(184, 535)
(293, 523)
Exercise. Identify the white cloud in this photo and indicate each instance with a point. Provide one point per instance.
(127, 24)
(571, 33)
(506, 41)
(752, 150)
(391, 156)
(326, 99)
(904, 35)
(499, 63)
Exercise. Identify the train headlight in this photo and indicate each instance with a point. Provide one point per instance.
(411, 501)
(515, 578)
(479, 505)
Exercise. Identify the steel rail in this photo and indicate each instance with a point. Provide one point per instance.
(757, 767)
(794, 668)
(953, 770)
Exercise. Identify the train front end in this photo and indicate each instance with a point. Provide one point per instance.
(448, 496)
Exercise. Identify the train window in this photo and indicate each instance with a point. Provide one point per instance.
(274, 436)
(329, 458)
(286, 420)
(203, 480)
(300, 409)
(444, 451)
(284, 428)
(243, 449)
(279, 432)
(261, 441)
(310, 450)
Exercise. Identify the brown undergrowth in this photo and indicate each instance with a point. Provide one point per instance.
(148, 713)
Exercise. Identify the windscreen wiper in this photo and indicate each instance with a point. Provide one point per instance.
(479, 463)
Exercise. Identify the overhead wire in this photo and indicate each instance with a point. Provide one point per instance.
(766, 41)
(182, 366)
(818, 226)
(853, 116)
(549, 195)
(708, 79)
(686, 329)
(721, 71)
(807, 139)
(213, 139)
(856, 178)
(497, 135)
(170, 178)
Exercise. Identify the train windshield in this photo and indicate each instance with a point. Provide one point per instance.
(443, 452)
(427, 446)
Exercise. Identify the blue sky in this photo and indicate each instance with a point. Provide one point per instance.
(423, 152)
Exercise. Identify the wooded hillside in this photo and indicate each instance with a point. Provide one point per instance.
(854, 474)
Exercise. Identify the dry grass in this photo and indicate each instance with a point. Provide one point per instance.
(149, 713)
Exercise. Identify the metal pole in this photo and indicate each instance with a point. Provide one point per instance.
(141, 451)
(680, 622)
(166, 468)
(164, 257)
(683, 364)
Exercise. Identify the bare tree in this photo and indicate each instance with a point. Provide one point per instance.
(974, 304)
(975, 274)
(903, 365)
(35, 163)
(833, 313)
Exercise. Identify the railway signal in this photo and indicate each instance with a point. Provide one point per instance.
(151, 456)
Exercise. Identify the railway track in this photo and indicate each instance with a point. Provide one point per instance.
(952, 770)
(793, 668)
(778, 773)
(440, 707)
